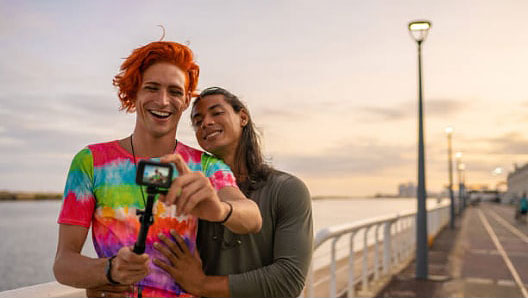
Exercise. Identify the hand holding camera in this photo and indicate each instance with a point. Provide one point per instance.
(192, 192)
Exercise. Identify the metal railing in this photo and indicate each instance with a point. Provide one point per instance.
(398, 238)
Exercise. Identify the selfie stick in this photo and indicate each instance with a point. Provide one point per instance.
(146, 219)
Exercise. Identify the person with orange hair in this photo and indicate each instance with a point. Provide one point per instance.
(156, 83)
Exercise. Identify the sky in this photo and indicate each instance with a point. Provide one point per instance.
(331, 85)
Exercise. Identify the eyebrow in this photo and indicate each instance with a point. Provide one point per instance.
(158, 84)
(209, 109)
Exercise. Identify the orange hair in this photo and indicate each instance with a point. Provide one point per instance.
(129, 78)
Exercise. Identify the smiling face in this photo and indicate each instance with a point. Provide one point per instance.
(217, 126)
(160, 100)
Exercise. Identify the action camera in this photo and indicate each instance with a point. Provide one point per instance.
(154, 174)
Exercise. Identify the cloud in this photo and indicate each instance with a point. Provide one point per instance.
(267, 114)
(21, 18)
(361, 158)
(387, 113)
(68, 115)
(432, 108)
(43, 132)
(443, 107)
(509, 143)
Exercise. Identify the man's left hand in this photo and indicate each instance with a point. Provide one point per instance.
(184, 267)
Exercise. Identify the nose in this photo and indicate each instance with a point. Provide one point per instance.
(164, 98)
(207, 121)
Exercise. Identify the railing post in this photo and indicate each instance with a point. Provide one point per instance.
(398, 242)
(376, 253)
(437, 220)
(411, 235)
(387, 247)
(432, 224)
(351, 268)
(405, 238)
(364, 276)
(415, 223)
(333, 290)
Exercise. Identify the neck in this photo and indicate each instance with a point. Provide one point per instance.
(238, 167)
(146, 145)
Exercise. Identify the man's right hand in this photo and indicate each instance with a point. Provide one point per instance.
(129, 267)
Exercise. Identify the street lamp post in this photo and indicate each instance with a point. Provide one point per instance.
(462, 169)
(459, 166)
(449, 132)
(419, 30)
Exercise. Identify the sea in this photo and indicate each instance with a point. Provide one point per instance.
(29, 232)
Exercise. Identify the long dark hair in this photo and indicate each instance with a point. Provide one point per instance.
(248, 148)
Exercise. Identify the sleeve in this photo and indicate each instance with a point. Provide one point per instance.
(78, 202)
(292, 250)
(218, 172)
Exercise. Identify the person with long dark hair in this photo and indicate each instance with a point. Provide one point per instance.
(271, 263)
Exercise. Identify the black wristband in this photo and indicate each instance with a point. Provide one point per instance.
(228, 213)
(109, 271)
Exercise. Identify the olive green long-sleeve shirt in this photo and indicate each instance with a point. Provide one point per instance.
(275, 261)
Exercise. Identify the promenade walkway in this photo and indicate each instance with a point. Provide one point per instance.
(486, 255)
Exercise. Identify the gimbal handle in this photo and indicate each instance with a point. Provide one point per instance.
(146, 219)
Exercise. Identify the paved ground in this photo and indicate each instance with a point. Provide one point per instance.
(486, 255)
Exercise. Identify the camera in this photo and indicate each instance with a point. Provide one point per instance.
(154, 174)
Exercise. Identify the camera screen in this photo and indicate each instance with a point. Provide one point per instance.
(156, 175)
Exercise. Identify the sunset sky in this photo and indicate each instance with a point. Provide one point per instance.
(331, 84)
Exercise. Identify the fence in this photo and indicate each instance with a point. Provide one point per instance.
(395, 234)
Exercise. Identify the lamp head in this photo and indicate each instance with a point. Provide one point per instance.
(419, 29)
(449, 130)
(497, 171)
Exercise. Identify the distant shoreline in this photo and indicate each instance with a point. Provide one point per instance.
(41, 196)
(28, 196)
(317, 198)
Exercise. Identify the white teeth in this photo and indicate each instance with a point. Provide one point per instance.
(160, 113)
(213, 134)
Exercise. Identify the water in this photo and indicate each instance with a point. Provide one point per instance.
(30, 230)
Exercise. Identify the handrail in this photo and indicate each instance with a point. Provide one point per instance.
(398, 240)
(338, 230)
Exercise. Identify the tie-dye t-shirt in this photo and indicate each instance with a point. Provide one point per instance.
(101, 191)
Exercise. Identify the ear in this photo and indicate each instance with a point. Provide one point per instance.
(244, 117)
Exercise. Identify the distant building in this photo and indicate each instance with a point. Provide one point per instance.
(517, 183)
(407, 190)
